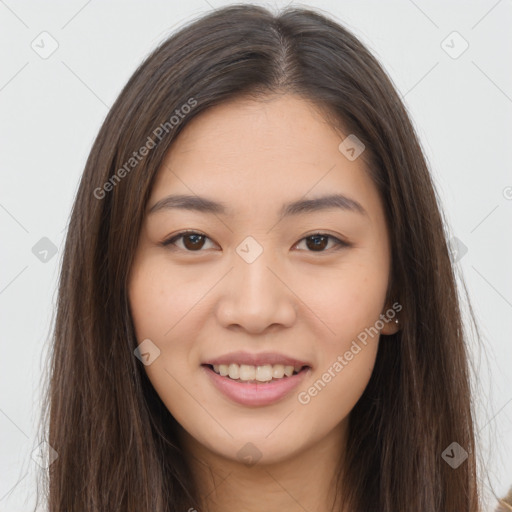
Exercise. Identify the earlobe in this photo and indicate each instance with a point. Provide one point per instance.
(391, 327)
(392, 324)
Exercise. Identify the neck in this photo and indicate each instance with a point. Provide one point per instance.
(305, 481)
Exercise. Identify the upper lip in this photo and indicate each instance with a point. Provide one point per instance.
(260, 359)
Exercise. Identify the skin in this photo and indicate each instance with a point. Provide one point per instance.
(254, 156)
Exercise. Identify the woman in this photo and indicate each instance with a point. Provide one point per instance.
(257, 307)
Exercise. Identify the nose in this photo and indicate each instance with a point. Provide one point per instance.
(255, 296)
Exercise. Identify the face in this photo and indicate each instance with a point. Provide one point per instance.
(258, 290)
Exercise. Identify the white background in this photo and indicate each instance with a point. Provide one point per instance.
(51, 110)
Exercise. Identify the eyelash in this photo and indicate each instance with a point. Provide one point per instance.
(340, 244)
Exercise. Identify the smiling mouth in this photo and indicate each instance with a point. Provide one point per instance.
(260, 374)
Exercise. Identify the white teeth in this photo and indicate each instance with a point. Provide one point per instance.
(263, 373)
(278, 371)
(246, 372)
(234, 371)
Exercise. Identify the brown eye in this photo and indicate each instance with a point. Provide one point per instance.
(191, 241)
(319, 242)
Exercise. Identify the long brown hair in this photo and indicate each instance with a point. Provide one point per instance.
(115, 439)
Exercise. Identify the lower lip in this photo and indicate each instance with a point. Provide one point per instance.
(255, 394)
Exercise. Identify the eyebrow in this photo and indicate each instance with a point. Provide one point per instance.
(301, 206)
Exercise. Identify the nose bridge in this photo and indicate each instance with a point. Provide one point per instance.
(253, 276)
(255, 297)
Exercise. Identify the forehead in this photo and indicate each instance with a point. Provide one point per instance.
(266, 152)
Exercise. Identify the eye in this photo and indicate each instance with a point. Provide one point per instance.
(318, 242)
(193, 241)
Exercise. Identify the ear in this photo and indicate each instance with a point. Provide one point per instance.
(391, 319)
(392, 326)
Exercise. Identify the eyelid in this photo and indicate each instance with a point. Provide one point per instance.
(339, 242)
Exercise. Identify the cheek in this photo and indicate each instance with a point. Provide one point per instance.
(347, 301)
(159, 301)
(350, 305)
(162, 306)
